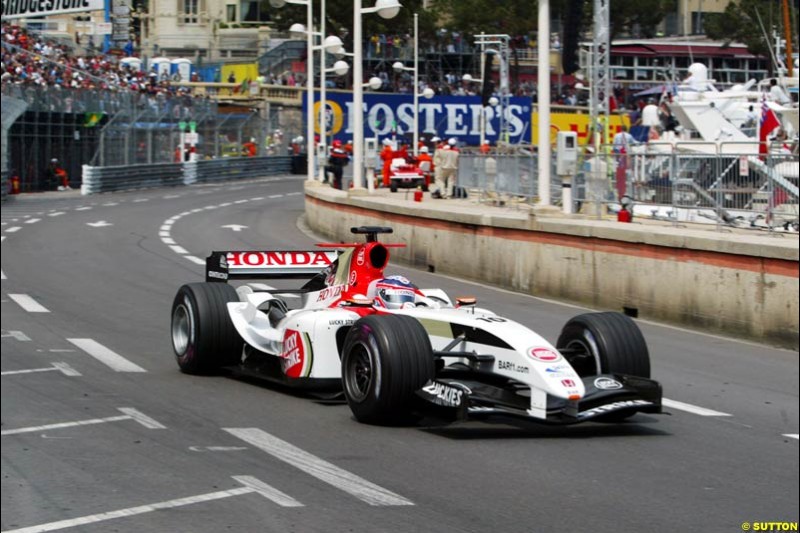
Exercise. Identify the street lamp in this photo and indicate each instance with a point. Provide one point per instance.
(427, 93)
(328, 42)
(386, 9)
(493, 102)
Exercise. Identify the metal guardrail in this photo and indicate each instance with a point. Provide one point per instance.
(4, 185)
(234, 168)
(131, 177)
(123, 178)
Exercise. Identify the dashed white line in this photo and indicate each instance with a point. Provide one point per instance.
(195, 259)
(167, 240)
(13, 229)
(140, 200)
(275, 196)
(106, 356)
(794, 436)
(28, 304)
(689, 408)
(256, 199)
(241, 201)
(85, 208)
(33, 220)
(179, 249)
(3, 275)
(56, 214)
(319, 468)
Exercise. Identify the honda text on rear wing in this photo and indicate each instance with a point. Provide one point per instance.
(286, 264)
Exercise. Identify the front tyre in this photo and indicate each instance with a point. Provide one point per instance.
(604, 343)
(203, 337)
(385, 360)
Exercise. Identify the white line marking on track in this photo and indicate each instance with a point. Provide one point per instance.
(56, 214)
(129, 414)
(179, 249)
(108, 357)
(85, 208)
(794, 436)
(294, 193)
(140, 417)
(15, 334)
(99, 224)
(171, 196)
(60, 367)
(2, 238)
(92, 421)
(3, 275)
(269, 492)
(28, 304)
(132, 511)
(275, 196)
(256, 199)
(689, 408)
(217, 448)
(33, 220)
(195, 259)
(139, 200)
(13, 229)
(110, 204)
(319, 468)
(241, 201)
(167, 240)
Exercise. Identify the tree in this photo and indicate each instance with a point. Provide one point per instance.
(638, 17)
(740, 23)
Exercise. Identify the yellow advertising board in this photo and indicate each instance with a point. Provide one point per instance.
(577, 122)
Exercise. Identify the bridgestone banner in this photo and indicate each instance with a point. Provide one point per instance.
(14, 9)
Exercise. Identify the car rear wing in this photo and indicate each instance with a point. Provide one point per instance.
(272, 264)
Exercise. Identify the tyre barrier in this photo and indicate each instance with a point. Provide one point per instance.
(5, 186)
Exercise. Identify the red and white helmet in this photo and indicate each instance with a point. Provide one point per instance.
(393, 292)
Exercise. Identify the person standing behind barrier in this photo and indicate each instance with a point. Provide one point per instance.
(622, 148)
(337, 160)
(438, 159)
(450, 168)
(387, 154)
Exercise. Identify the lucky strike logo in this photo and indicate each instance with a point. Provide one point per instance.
(293, 354)
(545, 355)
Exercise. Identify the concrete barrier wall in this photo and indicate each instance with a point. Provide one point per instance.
(746, 285)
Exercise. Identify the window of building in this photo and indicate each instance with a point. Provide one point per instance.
(254, 11)
(230, 13)
(189, 11)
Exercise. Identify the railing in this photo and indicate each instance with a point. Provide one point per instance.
(131, 177)
(724, 184)
(679, 185)
(275, 94)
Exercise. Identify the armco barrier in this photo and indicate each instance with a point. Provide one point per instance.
(4, 185)
(123, 178)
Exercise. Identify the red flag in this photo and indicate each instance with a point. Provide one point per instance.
(768, 123)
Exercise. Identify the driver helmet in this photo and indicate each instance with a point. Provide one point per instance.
(337, 143)
(394, 292)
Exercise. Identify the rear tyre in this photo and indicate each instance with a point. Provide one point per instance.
(605, 343)
(386, 359)
(393, 186)
(203, 337)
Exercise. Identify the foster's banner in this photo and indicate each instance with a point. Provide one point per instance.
(443, 116)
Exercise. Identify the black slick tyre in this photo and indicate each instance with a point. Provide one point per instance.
(203, 337)
(604, 343)
(393, 186)
(385, 360)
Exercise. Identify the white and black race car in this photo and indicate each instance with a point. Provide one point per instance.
(396, 351)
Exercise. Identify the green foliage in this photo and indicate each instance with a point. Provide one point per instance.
(740, 23)
(646, 14)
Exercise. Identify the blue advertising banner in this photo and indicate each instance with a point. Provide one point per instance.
(387, 115)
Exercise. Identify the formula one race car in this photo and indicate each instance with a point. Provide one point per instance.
(403, 175)
(397, 351)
